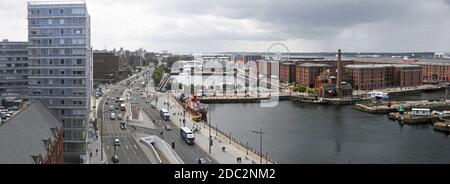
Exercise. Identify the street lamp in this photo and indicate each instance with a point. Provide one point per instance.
(260, 132)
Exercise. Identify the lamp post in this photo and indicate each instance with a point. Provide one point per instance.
(260, 132)
(210, 137)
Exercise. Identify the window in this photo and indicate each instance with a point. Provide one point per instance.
(50, 72)
(50, 62)
(61, 11)
(61, 21)
(62, 61)
(50, 91)
(50, 21)
(61, 42)
(79, 61)
(49, 11)
(62, 82)
(62, 72)
(77, 11)
(62, 31)
(50, 102)
(62, 102)
(62, 111)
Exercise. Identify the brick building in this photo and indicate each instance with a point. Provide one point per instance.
(106, 67)
(34, 135)
(379, 76)
(306, 73)
(287, 72)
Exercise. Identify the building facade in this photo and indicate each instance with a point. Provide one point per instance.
(306, 73)
(106, 67)
(13, 67)
(287, 72)
(379, 76)
(60, 58)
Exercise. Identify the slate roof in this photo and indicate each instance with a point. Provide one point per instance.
(24, 137)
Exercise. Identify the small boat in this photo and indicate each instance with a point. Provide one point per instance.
(442, 126)
(378, 95)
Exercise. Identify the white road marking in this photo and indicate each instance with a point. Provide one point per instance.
(107, 147)
(126, 146)
(135, 146)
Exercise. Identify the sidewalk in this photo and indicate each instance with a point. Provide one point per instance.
(232, 151)
(94, 144)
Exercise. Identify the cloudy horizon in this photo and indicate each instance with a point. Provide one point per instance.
(192, 26)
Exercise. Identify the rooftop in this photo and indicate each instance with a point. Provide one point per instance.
(59, 2)
(381, 66)
(313, 65)
(26, 135)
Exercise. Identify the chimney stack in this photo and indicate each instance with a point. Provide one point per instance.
(339, 74)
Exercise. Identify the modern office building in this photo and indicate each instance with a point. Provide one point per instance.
(13, 68)
(60, 58)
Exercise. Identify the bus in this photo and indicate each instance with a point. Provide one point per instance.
(164, 114)
(187, 135)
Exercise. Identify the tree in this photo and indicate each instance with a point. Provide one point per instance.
(299, 88)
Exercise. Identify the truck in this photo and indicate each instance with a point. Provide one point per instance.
(122, 107)
(187, 135)
(164, 114)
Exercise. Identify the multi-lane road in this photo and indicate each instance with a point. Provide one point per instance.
(129, 151)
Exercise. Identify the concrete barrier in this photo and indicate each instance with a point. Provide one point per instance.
(164, 147)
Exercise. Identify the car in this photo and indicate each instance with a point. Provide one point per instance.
(119, 116)
(113, 116)
(201, 161)
(116, 142)
(115, 159)
(147, 101)
(106, 102)
(153, 105)
(123, 126)
(13, 108)
(111, 108)
(168, 128)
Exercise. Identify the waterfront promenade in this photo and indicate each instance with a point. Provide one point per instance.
(233, 150)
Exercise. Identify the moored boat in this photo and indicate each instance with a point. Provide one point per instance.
(194, 106)
(442, 126)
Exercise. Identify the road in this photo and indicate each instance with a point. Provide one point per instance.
(129, 151)
(188, 153)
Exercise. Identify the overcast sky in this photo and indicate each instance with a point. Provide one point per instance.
(253, 25)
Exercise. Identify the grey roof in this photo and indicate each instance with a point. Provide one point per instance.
(314, 65)
(381, 66)
(22, 137)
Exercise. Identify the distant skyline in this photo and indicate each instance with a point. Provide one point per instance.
(195, 26)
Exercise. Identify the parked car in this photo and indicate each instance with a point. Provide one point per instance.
(119, 116)
(113, 116)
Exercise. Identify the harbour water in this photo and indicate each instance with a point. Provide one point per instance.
(309, 133)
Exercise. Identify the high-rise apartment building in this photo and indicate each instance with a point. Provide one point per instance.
(60, 64)
(13, 68)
